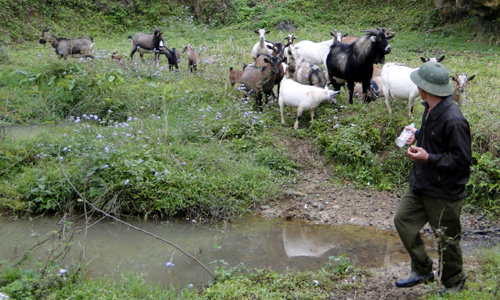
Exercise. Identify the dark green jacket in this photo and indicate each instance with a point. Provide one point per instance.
(445, 135)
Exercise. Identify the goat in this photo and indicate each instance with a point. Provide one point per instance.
(173, 57)
(147, 43)
(354, 63)
(436, 58)
(235, 76)
(459, 87)
(396, 84)
(312, 52)
(192, 58)
(71, 47)
(304, 97)
(310, 74)
(117, 58)
(257, 81)
(260, 48)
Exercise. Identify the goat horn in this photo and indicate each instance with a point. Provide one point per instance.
(286, 38)
(372, 31)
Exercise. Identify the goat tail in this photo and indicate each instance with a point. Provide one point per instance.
(129, 37)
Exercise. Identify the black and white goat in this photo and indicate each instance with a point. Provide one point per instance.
(354, 63)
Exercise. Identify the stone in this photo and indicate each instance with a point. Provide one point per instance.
(265, 207)
(321, 206)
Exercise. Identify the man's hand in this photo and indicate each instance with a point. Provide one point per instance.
(417, 154)
(411, 140)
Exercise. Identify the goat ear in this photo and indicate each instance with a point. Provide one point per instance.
(373, 38)
(230, 68)
(344, 35)
(440, 59)
(256, 31)
(390, 37)
(471, 78)
(267, 31)
(266, 60)
(453, 78)
(424, 60)
(270, 47)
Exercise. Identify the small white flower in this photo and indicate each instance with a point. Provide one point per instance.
(63, 271)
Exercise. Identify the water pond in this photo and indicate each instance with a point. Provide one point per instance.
(112, 248)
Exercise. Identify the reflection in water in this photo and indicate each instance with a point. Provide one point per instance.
(112, 248)
(305, 241)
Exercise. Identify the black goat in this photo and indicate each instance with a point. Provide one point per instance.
(172, 56)
(354, 63)
(65, 47)
(147, 43)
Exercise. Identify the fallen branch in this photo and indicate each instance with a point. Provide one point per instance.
(127, 224)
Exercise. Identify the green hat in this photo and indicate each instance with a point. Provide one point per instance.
(433, 78)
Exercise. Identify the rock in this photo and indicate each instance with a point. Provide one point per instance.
(265, 207)
(336, 207)
(321, 206)
(309, 217)
(315, 204)
(293, 193)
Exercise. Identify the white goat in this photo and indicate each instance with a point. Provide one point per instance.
(313, 52)
(261, 47)
(396, 84)
(304, 97)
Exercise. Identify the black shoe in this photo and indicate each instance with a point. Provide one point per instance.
(415, 279)
(456, 288)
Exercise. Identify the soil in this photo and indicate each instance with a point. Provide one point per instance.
(314, 198)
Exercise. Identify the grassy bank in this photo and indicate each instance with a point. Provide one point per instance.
(137, 139)
(337, 279)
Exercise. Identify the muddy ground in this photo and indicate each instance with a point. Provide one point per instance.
(314, 198)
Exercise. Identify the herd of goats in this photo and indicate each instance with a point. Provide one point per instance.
(294, 68)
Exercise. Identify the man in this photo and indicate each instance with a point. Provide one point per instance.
(441, 167)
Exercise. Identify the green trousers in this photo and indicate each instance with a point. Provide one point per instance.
(413, 213)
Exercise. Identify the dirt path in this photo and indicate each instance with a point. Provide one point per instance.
(314, 198)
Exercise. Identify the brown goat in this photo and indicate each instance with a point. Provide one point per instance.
(459, 87)
(257, 81)
(192, 58)
(71, 47)
(235, 76)
(147, 43)
(117, 58)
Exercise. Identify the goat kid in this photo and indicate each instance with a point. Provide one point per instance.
(192, 58)
(460, 86)
(304, 97)
(235, 76)
(147, 43)
(69, 47)
(117, 58)
(173, 57)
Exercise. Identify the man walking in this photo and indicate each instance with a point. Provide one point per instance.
(441, 167)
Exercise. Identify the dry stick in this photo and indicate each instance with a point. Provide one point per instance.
(132, 226)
